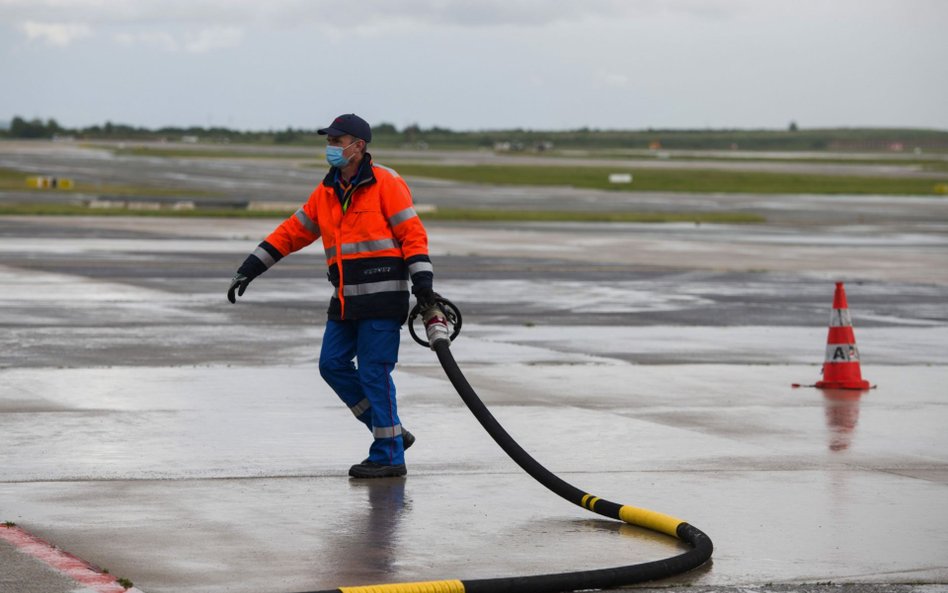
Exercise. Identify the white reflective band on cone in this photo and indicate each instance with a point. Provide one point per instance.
(841, 353)
(840, 318)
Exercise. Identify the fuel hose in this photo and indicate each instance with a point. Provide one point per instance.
(436, 320)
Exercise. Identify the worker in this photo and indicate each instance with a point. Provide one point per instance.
(374, 243)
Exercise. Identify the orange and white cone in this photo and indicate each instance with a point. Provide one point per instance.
(841, 369)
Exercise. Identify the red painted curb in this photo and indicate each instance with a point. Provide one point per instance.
(75, 568)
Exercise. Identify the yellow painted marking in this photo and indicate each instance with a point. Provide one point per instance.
(422, 587)
(650, 520)
(588, 501)
(47, 182)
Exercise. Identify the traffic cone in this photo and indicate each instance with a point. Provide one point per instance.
(841, 368)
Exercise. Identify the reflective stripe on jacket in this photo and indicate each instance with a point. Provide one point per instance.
(372, 248)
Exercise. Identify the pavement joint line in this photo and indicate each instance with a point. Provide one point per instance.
(424, 474)
(63, 562)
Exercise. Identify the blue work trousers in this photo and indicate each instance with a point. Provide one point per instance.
(367, 387)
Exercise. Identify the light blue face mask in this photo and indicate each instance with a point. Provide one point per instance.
(335, 157)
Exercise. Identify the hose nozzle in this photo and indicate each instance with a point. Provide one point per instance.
(436, 325)
(442, 322)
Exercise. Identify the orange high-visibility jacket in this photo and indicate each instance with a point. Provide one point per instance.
(372, 246)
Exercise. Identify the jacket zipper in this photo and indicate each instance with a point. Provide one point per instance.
(344, 207)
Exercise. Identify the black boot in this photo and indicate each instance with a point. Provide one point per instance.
(370, 469)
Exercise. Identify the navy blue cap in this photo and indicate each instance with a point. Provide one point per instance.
(348, 123)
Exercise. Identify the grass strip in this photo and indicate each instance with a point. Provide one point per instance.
(209, 153)
(482, 215)
(82, 210)
(920, 162)
(673, 180)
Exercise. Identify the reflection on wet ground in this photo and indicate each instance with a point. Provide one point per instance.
(842, 415)
(366, 546)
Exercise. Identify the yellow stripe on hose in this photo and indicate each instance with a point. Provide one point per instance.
(650, 519)
(422, 587)
(588, 501)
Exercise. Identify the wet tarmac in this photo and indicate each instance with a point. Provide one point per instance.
(153, 429)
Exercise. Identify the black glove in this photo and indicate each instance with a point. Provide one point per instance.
(425, 296)
(238, 284)
(252, 267)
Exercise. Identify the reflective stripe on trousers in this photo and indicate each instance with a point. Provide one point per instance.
(387, 432)
(360, 408)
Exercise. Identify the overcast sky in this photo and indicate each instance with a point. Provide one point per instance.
(476, 64)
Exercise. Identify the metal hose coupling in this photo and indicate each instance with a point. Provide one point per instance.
(442, 322)
(436, 325)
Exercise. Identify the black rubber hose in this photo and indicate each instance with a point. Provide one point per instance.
(702, 547)
(604, 578)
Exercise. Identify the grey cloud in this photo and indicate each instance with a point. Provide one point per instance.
(483, 13)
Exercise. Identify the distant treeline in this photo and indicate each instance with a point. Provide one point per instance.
(387, 135)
